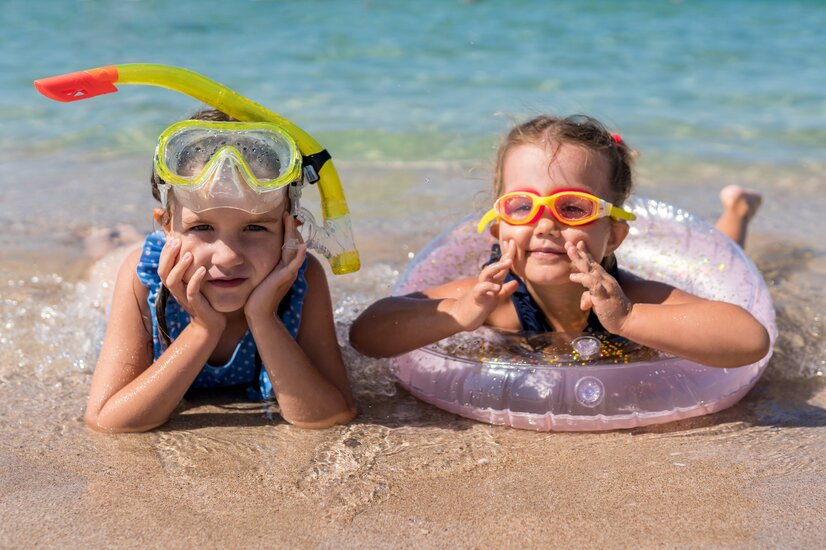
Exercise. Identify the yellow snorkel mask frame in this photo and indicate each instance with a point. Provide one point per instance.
(334, 239)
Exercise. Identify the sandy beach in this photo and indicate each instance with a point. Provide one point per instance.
(403, 474)
(407, 475)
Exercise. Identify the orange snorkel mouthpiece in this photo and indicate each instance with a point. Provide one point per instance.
(79, 85)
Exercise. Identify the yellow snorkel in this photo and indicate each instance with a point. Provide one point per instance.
(334, 240)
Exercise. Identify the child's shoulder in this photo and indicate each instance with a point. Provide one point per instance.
(128, 272)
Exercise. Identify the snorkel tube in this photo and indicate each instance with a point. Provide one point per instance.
(334, 239)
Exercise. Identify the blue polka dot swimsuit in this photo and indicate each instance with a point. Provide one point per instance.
(244, 367)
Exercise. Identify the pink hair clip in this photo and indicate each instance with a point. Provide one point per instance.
(617, 138)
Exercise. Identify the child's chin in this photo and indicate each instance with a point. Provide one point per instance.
(547, 275)
(227, 304)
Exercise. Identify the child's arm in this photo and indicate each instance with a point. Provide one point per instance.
(129, 392)
(659, 316)
(399, 324)
(308, 374)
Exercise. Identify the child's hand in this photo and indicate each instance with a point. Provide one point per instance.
(472, 309)
(264, 300)
(604, 294)
(171, 270)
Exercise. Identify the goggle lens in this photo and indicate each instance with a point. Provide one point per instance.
(517, 207)
(574, 207)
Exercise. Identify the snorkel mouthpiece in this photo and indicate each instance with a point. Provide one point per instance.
(337, 243)
(79, 85)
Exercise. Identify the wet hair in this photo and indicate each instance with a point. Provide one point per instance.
(549, 132)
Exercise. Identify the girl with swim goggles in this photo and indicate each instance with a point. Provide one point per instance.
(225, 294)
(557, 220)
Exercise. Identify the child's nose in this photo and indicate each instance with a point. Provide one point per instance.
(225, 254)
(547, 224)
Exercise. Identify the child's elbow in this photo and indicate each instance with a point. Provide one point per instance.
(762, 344)
(343, 417)
(755, 347)
(95, 422)
(361, 341)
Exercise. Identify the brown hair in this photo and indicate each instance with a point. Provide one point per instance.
(584, 131)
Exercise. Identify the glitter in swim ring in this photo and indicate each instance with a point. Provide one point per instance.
(559, 382)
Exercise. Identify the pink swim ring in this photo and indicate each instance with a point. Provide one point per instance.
(589, 387)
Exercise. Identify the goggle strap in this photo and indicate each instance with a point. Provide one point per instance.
(620, 214)
(295, 196)
(163, 190)
(312, 165)
(486, 219)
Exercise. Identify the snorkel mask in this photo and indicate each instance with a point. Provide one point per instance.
(238, 179)
(241, 165)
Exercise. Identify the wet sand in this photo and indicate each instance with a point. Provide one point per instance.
(403, 474)
(407, 475)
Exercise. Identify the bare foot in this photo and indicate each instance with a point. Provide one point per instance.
(741, 201)
(739, 207)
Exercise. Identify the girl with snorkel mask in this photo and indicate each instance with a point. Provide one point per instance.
(225, 294)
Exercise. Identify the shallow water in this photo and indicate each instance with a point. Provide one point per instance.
(411, 117)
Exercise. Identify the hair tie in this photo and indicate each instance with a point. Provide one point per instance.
(617, 139)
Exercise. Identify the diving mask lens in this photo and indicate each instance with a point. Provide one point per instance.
(266, 155)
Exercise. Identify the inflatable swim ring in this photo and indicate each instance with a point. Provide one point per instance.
(556, 383)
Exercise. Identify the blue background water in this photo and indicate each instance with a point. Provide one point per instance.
(732, 82)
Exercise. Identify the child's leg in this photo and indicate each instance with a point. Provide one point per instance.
(739, 207)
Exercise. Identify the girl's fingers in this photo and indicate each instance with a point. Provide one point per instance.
(291, 269)
(193, 288)
(509, 288)
(486, 287)
(495, 270)
(579, 258)
(176, 274)
(585, 302)
(292, 239)
(169, 254)
(593, 279)
(508, 250)
(300, 253)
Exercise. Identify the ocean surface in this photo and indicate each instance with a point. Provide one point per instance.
(410, 98)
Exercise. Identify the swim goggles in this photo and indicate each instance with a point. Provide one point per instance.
(242, 165)
(570, 207)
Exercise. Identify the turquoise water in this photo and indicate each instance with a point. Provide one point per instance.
(732, 82)
(411, 97)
